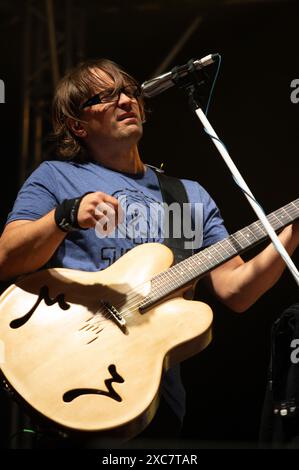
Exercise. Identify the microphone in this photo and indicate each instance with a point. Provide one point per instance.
(161, 83)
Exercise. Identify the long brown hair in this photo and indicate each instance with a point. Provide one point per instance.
(74, 88)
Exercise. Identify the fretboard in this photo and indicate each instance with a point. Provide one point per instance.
(196, 266)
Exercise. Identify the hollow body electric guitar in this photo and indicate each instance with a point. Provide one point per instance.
(87, 350)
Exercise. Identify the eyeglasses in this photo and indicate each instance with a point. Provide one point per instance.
(112, 94)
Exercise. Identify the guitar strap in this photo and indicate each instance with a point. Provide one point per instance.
(173, 190)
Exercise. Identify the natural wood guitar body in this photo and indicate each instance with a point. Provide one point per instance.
(75, 363)
(87, 350)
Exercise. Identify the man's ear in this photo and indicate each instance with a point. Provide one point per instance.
(76, 127)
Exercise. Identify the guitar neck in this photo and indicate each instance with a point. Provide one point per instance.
(191, 269)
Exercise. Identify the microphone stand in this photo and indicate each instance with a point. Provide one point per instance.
(191, 84)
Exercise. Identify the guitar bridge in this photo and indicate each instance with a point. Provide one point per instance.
(114, 313)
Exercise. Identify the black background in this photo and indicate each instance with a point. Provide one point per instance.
(252, 113)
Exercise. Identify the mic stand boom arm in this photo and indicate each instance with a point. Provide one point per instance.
(192, 86)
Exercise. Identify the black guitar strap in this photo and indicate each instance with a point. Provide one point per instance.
(173, 190)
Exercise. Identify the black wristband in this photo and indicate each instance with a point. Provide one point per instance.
(66, 214)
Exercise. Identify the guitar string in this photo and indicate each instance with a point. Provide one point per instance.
(133, 297)
(157, 290)
(139, 303)
(258, 227)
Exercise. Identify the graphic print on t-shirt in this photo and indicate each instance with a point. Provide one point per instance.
(54, 181)
(142, 218)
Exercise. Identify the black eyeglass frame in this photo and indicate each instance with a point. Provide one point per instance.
(97, 99)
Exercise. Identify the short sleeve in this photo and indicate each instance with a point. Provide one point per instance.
(37, 196)
(212, 226)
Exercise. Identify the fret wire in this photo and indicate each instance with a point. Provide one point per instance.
(223, 248)
(205, 259)
(260, 231)
(236, 241)
(284, 217)
(277, 219)
(220, 251)
(223, 244)
(179, 270)
(252, 233)
(283, 209)
(162, 275)
(209, 255)
(168, 282)
(197, 262)
(191, 266)
(232, 247)
(240, 232)
(214, 250)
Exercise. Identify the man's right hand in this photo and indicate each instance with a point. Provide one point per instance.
(101, 210)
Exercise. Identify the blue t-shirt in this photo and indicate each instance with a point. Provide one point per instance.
(54, 181)
(140, 197)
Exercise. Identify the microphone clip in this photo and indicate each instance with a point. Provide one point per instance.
(191, 80)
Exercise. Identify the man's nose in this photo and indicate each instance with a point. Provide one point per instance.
(124, 99)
